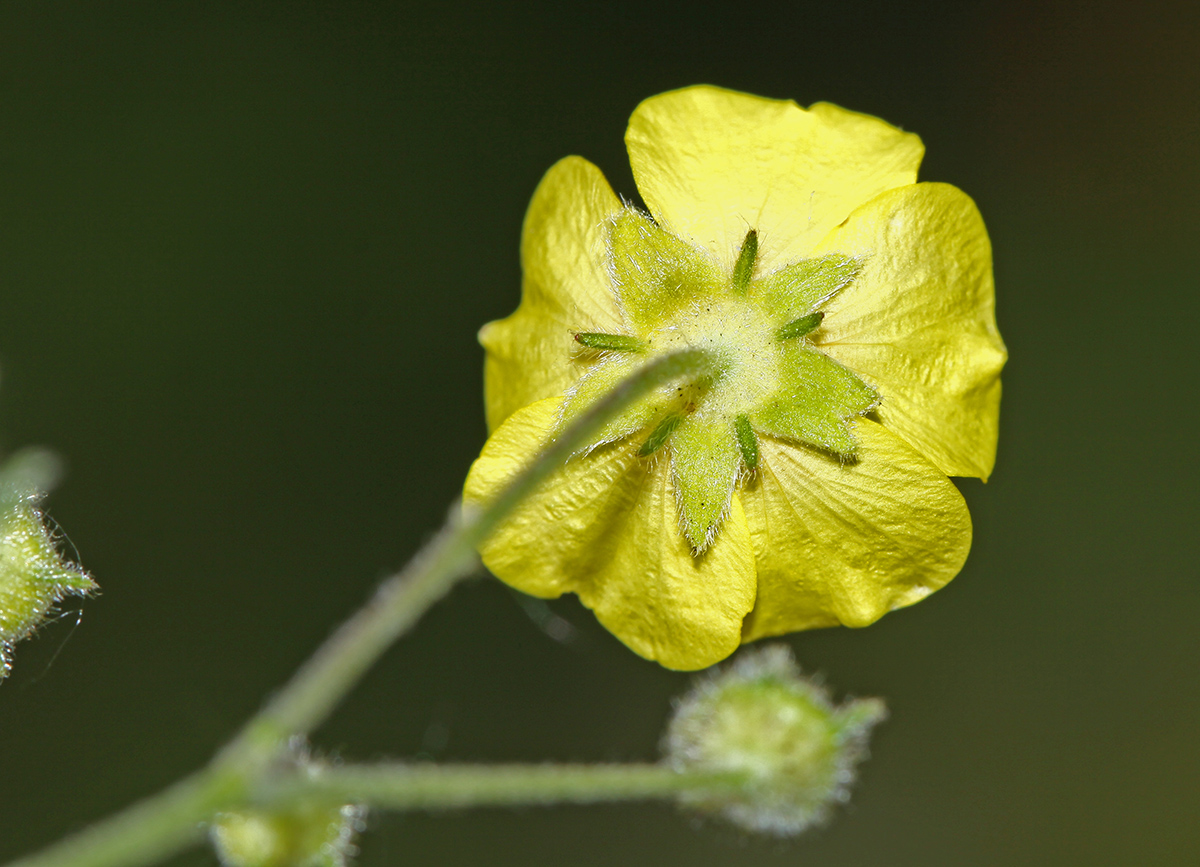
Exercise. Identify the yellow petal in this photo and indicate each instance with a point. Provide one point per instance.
(652, 593)
(544, 545)
(846, 543)
(712, 164)
(918, 322)
(566, 289)
(606, 526)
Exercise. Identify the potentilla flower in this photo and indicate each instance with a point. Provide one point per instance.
(848, 314)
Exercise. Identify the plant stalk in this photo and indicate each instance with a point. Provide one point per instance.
(400, 786)
(155, 828)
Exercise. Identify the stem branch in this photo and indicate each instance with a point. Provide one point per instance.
(148, 831)
(432, 787)
(322, 682)
(164, 823)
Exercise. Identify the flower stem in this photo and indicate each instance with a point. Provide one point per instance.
(163, 824)
(148, 831)
(431, 787)
(321, 683)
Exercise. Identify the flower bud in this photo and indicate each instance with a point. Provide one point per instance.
(759, 717)
(33, 575)
(302, 835)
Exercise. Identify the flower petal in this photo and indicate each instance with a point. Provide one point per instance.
(712, 164)
(606, 526)
(650, 590)
(566, 289)
(846, 543)
(547, 541)
(919, 323)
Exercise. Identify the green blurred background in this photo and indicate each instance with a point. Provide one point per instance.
(245, 248)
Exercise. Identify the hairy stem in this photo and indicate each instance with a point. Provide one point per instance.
(148, 831)
(322, 682)
(163, 824)
(431, 787)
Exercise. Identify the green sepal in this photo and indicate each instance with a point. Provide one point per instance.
(705, 458)
(747, 441)
(800, 327)
(795, 290)
(659, 436)
(610, 342)
(857, 717)
(743, 269)
(654, 272)
(596, 384)
(815, 398)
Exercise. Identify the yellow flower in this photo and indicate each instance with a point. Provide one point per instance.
(848, 311)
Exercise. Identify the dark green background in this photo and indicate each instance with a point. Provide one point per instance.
(245, 247)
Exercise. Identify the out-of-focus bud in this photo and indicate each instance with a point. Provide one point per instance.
(295, 836)
(33, 575)
(759, 717)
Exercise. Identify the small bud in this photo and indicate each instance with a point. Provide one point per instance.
(33, 575)
(297, 836)
(759, 717)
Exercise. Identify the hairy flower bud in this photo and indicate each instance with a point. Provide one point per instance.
(33, 575)
(760, 717)
(312, 835)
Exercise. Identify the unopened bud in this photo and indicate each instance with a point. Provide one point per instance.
(314, 835)
(759, 717)
(33, 575)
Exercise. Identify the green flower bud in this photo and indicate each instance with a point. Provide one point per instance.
(760, 717)
(33, 575)
(303, 835)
